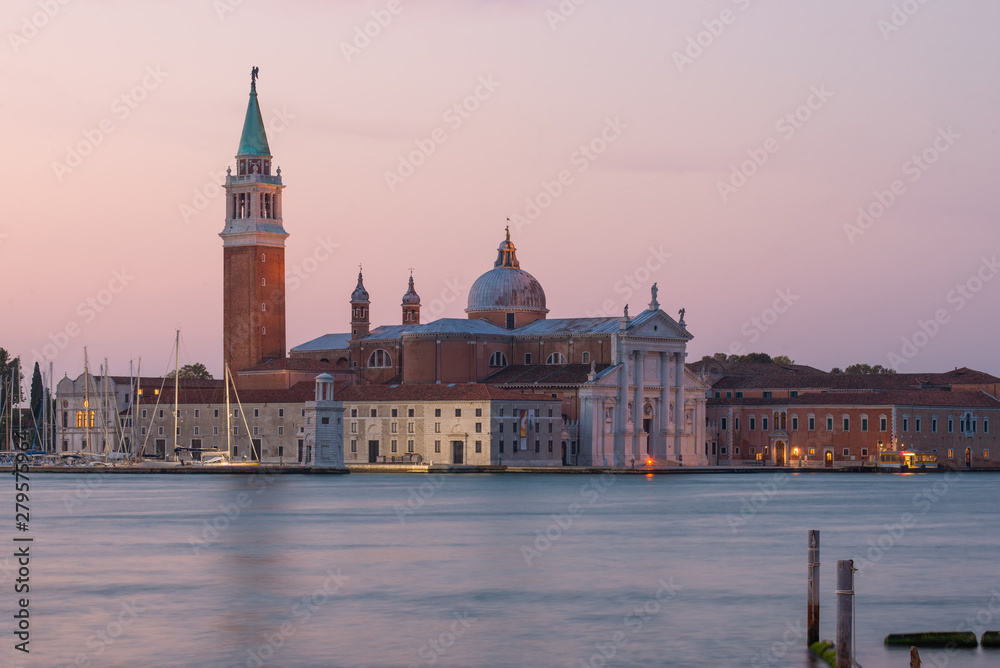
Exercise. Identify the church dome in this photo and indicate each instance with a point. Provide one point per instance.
(411, 298)
(360, 294)
(506, 287)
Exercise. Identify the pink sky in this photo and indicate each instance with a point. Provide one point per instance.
(883, 97)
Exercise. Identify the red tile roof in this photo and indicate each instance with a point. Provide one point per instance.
(297, 394)
(433, 392)
(932, 397)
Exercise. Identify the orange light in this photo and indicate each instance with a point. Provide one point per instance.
(649, 462)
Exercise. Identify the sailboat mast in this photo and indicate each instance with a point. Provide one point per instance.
(86, 397)
(50, 432)
(229, 420)
(177, 383)
(135, 403)
(106, 418)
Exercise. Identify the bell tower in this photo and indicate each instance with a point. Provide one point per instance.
(360, 323)
(253, 248)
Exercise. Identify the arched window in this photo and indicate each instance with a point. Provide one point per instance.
(498, 359)
(556, 358)
(379, 359)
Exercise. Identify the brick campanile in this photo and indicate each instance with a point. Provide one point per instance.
(253, 243)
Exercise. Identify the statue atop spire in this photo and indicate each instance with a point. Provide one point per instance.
(253, 78)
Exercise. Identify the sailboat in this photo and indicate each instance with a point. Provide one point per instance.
(227, 459)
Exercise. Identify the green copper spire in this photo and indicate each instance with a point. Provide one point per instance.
(254, 139)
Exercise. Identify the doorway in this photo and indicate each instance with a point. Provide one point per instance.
(457, 452)
(829, 459)
(779, 454)
(968, 458)
(372, 452)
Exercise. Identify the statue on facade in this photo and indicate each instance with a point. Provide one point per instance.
(253, 75)
(654, 304)
(682, 312)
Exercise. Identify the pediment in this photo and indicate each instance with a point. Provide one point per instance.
(657, 324)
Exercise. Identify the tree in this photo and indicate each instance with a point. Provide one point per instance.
(784, 360)
(868, 370)
(192, 371)
(37, 395)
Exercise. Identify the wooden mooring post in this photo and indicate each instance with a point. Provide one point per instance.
(812, 575)
(845, 614)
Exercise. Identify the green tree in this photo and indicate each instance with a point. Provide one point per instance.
(37, 395)
(195, 371)
(784, 359)
(868, 370)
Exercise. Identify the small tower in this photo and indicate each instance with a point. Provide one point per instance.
(253, 242)
(411, 305)
(359, 310)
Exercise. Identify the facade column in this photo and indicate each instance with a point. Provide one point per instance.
(664, 415)
(678, 402)
(621, 410)
(637, 413)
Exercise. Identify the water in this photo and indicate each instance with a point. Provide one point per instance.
(382, 570)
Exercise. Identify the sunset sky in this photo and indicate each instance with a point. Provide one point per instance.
(733, 144)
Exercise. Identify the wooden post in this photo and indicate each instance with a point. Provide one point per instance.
(845, 613)
(812, 575)
(914, 658)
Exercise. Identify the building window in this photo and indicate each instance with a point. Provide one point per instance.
(323, 420)
(510, 321)
(723, 424)
(395, 412)
(196, 431)
(479, 427)
(197, 412)
(281, 412)
(951, 454)
(161, 413)
(736, 423)
(864, 424)
(829, 423)
(409, 413)
(479, 412)
(986, 426)
(795, 423)
(556, 358)
(527, 358)
(256, 431)
(737, 449)
(354, 445)
(864, 452)
(410, 428)
(479, 446)
(159, 431)
(550, 446)
(354, 427)
(263, 307)
(882, 423)
(215, 431)
(763, 424)
(256, 412)
(586, 357)
(437, 446)
(501, 446)
(395, 428)
(458, 412)
(739, 395)
(753, 423)
(498, 359)
(409, 445)
(718, 394)
(393, 445)
(767, 395)
(437, 412)
(795, 393)
(986, 454)
(379, 359)
(143, 415)
(354, 412)
(437, 427)
(538, 446)
(281, 430)
(847, 452)
(373, 412)
(951, 425)
(847, 423)
(812, 423)
(933, 425)
(906, 424)
(916, 424)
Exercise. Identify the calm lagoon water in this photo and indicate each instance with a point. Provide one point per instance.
(396, 570)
